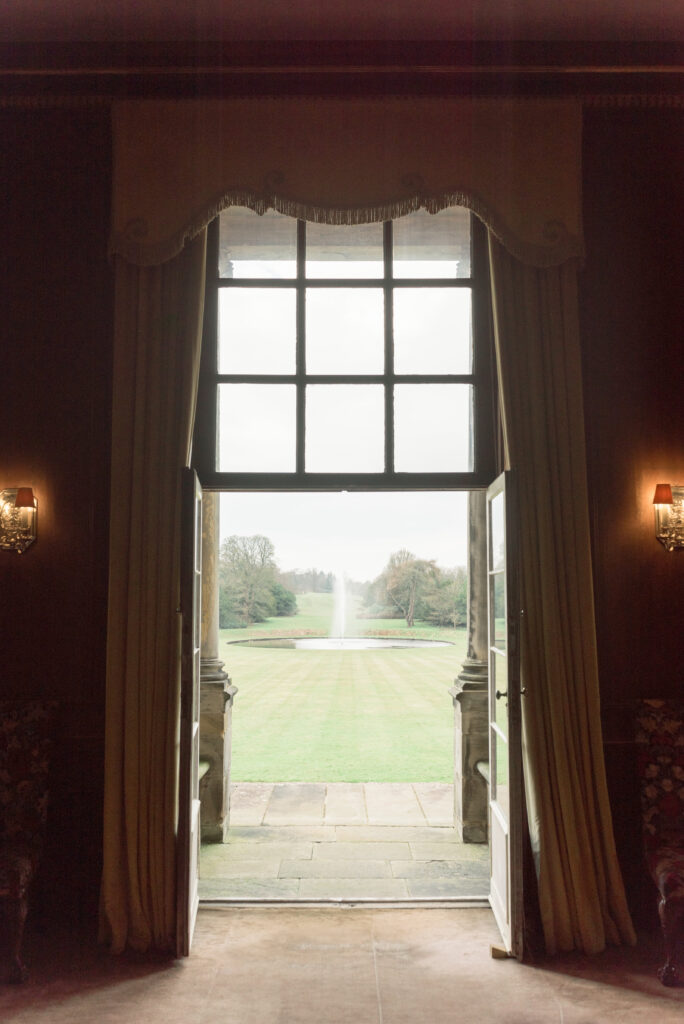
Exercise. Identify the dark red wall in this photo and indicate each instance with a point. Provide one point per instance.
(55, 326)
(631, 308)
(55, 357)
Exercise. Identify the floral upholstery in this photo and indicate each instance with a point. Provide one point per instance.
(660, 745)
(25, 748)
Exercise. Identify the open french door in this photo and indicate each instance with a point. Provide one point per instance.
(505, 760)
(188, 834)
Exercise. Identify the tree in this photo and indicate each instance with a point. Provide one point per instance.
(285, 601)
(247, 572)
(403, 583)
(445, 602)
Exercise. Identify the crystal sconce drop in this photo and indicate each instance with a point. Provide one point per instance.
(668, 504)
(18, 519)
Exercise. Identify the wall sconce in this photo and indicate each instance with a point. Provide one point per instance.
(18, 519)
(668, 504)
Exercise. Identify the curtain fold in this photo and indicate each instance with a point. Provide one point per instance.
(157, 335)
(581, 894)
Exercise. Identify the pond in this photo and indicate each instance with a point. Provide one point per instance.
(337, 643)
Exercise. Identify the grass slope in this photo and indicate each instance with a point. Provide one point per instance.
(342, 716)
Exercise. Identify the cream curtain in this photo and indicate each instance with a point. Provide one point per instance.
(158, 318)
(581, 894)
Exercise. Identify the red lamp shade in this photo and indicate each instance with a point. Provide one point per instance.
(24, 498)
(663, 494)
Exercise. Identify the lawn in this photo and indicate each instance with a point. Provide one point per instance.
(342, 716)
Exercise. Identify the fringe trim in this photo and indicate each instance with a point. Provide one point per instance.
(562, 246)
(641, 100)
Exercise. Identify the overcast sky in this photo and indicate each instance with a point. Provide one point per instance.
(351, 532)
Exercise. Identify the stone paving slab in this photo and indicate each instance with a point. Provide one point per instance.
(250, 889)
(398, 833)
(353, 889)
(392, 803)
(264, 867)
(335, 869)
(296, 804)
(362, 851)
(477, 853)
(434, 869)
(345, 804)
(279, 833)
(447, 889)
(436, 800)
(248, 802)
(226, 853)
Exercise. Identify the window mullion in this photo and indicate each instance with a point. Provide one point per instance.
(301, 346)
(389, 346)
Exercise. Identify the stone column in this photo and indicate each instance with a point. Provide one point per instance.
(470, 690)
(216, 691)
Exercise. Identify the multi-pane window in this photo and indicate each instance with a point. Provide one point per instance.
(339, 356)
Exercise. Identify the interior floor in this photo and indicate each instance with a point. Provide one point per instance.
(338, 966)
(343, 841)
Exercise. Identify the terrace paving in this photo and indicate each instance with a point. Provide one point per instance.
(343, 842)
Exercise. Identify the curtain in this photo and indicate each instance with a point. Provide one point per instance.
(158, 317)
(581, 894)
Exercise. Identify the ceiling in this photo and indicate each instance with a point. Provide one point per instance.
(25, 21)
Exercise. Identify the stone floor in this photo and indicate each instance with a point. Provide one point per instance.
(336, 965)
(343, 842)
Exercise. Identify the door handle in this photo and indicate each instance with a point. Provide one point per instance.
(499, 694)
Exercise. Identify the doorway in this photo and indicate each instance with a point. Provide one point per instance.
(342, 623)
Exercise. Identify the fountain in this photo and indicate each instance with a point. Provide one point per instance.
(338, 625)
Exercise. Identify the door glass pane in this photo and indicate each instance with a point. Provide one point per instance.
(338, 250)
(257, 330)
(432, 332)
(500, 683)
(497, 553)
(498, 610)
(345, 428)
(432, 245)
(344, 330)
(253, 245)
(257, 428)
(432, 428)
(500, 778)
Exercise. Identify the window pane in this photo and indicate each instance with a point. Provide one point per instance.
(344, 330)
(251, 245)
(345, 428)
(432, 331)
(497, 534)
(500, 683)
(257, 427)
(257, 330)
(433, 245)
(497, 597)
(334, 250)
(432, 428)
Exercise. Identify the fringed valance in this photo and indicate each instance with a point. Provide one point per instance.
(516, 163)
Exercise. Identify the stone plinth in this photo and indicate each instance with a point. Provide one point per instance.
(216, 707)
(471, 744)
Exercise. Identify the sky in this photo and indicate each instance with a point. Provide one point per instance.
(351, 532)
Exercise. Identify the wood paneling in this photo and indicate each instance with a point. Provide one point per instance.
(54, 436)
(633, 354)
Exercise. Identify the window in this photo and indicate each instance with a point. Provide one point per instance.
(339, 357)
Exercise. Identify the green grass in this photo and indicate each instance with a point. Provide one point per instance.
(342, 716)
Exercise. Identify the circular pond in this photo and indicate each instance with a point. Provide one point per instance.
(336, 643)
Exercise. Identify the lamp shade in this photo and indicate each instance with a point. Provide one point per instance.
(24, 498)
